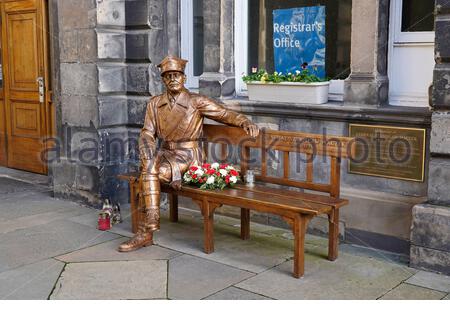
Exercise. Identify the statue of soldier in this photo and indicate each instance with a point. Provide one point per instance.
(176, 118)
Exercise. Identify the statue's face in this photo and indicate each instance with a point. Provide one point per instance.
(174, 81)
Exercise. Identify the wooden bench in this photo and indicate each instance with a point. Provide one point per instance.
(297, 207)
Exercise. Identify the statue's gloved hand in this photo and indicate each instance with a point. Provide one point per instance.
(176, 185)
(251, 129)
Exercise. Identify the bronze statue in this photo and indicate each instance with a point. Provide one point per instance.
(176, 118)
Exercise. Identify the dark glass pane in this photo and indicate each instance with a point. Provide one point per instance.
(338, 33)
(198, 37)
(417, 15)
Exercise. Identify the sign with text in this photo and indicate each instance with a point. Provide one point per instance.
(299, 39)
(389, 152)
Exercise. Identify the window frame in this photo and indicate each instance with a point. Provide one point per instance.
(241, 50)
(187, 42)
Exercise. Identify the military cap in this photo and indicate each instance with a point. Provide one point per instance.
(171, 63)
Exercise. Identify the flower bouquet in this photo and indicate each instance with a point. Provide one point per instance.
(212, 176)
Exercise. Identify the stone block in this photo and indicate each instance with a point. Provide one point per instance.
(441, 87)
(111, 45)
(77, 14)
(366, 90)
(114, 144)
(79, 79)
(217, 87)
(155, 82)
(430, 259)
(112, 78)
(87, 178)
(138, 78)
(440, 133)
(431, 227)
(136, 13)
(137, 106)
(156, 12)
(137, 46)
(87, 45)
(439, 176)
(442, 39)
(112, 111)
(69, 46)
(111, 13)
(81, 111)
(156, 51)
(85, 146)
(63, 175)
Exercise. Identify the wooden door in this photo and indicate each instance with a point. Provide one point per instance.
(24, 62)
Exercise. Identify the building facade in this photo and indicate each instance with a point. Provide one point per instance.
(99, 67)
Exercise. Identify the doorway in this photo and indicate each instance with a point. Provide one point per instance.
(25, 106)
(411, 52)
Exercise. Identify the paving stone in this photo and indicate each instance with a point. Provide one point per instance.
(260, 253)
(39, 219)
(447, 297)
(31, 282)
(20, 205)
(34, 244)
(112, 280)
(410, 292)
(233, 293)
(8, 186)
(195, 278)
(108, 252)
(349, 277)
(431, 280)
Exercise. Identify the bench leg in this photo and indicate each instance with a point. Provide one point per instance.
(208, 226)
(245, 224)
(299, 227)
(173, 203)
(333, 235)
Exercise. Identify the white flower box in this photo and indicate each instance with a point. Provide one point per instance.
(295, 92)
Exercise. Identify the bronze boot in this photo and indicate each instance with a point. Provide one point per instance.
(140, 239)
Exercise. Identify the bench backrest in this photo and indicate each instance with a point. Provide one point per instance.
(311, 145)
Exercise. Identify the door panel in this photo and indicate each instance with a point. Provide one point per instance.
(3, 161)
(23, 58)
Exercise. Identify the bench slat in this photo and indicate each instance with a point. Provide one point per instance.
(253, 200)
(310, 197)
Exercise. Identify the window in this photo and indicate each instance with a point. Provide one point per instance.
(258, 24)
(192, 40)
(411, 52)
(338, 24)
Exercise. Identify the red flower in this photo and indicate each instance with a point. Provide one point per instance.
(206, 166)
(194, 176)
(211, 171)
(227, 179)
(193, 168)
(223, 166)
(234, 173)
(201, 180)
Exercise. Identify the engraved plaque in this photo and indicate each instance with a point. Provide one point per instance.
(389, 152)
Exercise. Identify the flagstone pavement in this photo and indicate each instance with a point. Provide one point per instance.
(51, 249)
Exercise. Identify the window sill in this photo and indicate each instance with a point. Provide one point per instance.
(336, 111)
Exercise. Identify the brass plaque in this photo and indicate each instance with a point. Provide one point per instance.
(389, 152)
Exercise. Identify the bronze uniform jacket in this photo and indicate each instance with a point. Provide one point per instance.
(181, 122)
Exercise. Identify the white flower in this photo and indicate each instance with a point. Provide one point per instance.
(233, 179)
(215, 165)
(187, 177)
(275, 73)
(290, 74)
(210, 180)
(223, 172)
(297, 72)
(230, 168)
(199, 172)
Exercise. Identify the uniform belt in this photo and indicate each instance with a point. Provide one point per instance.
(173, 145)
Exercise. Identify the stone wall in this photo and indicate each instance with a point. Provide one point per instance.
(108, 52)
(431, 222)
